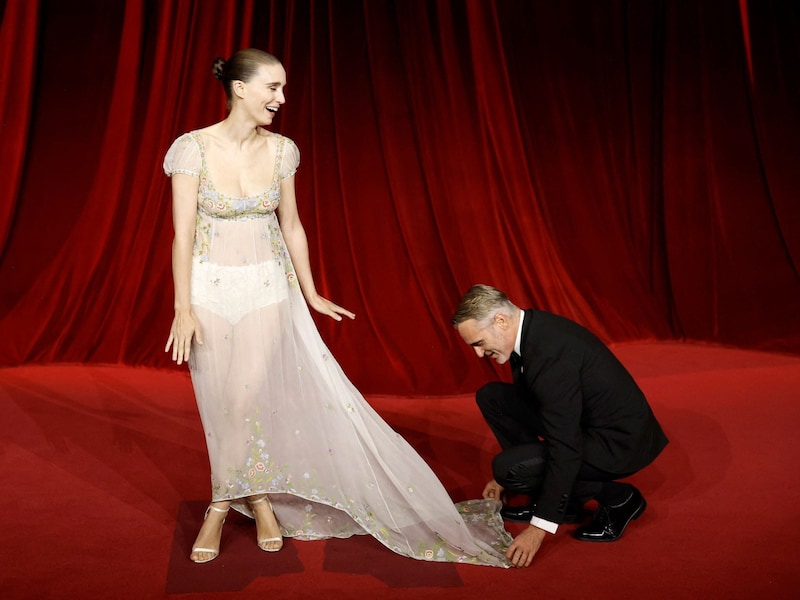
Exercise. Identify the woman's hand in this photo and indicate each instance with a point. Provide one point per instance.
(184, 327)
(326, 307)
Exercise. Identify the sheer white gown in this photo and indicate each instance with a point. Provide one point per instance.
(280, 416)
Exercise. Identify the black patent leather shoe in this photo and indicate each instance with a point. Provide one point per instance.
(609, 522)
(524, 514)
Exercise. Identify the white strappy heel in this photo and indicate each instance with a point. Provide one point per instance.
(262, 541)
(213, 551)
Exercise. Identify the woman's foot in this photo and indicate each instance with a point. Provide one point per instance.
(206, 546)
(268, 531)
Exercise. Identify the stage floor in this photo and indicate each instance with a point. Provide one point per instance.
(106, 481)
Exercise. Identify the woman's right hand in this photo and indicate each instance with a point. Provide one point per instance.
(184, 327)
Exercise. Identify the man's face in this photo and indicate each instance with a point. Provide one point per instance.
(491, 338)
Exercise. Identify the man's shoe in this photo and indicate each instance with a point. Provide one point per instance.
(524, 514)
(518, 513)
(610, 522)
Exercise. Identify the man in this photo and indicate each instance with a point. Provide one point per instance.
(572, 423)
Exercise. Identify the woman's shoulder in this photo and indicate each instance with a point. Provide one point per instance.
(187, 138)
(205, 134)
(281, 139)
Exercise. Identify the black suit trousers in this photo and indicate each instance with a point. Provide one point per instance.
(520, 467)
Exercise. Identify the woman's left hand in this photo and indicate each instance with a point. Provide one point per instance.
(326, 307)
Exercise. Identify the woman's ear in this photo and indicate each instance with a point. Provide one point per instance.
(238, 87)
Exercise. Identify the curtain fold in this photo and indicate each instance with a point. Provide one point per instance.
(18, 46)
(775, 40)
(629, 165)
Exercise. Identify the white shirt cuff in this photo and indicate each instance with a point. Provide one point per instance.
(548, 526)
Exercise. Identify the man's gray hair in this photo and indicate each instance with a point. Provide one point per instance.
(480, 302)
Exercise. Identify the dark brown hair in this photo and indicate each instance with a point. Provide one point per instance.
(242, 66)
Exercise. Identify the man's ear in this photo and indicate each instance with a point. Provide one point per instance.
(501, 321)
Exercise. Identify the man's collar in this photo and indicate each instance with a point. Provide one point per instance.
(518, 342)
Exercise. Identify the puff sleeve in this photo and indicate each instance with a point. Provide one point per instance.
(183, 157)
(291, 159)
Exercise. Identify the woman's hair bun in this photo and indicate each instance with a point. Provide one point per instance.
(219, 68)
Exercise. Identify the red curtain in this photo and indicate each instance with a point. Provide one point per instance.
(631, 165)
(17, 58)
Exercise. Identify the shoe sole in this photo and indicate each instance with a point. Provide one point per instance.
(639, 512)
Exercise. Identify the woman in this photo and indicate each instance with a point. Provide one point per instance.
(291, 442)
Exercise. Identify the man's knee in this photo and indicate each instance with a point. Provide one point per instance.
(490, 394)
(520, 469)
(500, 469)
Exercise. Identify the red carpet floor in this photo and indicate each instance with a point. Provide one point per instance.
(105, 480)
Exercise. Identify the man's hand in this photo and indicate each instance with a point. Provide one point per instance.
(493, 490)
(525, 546)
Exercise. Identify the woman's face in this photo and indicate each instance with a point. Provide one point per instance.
(263, 96)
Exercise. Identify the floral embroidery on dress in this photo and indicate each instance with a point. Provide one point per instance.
(213, 204)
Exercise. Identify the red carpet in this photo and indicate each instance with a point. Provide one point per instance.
(106, 480)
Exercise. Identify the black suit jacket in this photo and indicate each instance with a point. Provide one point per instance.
(588, 407)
